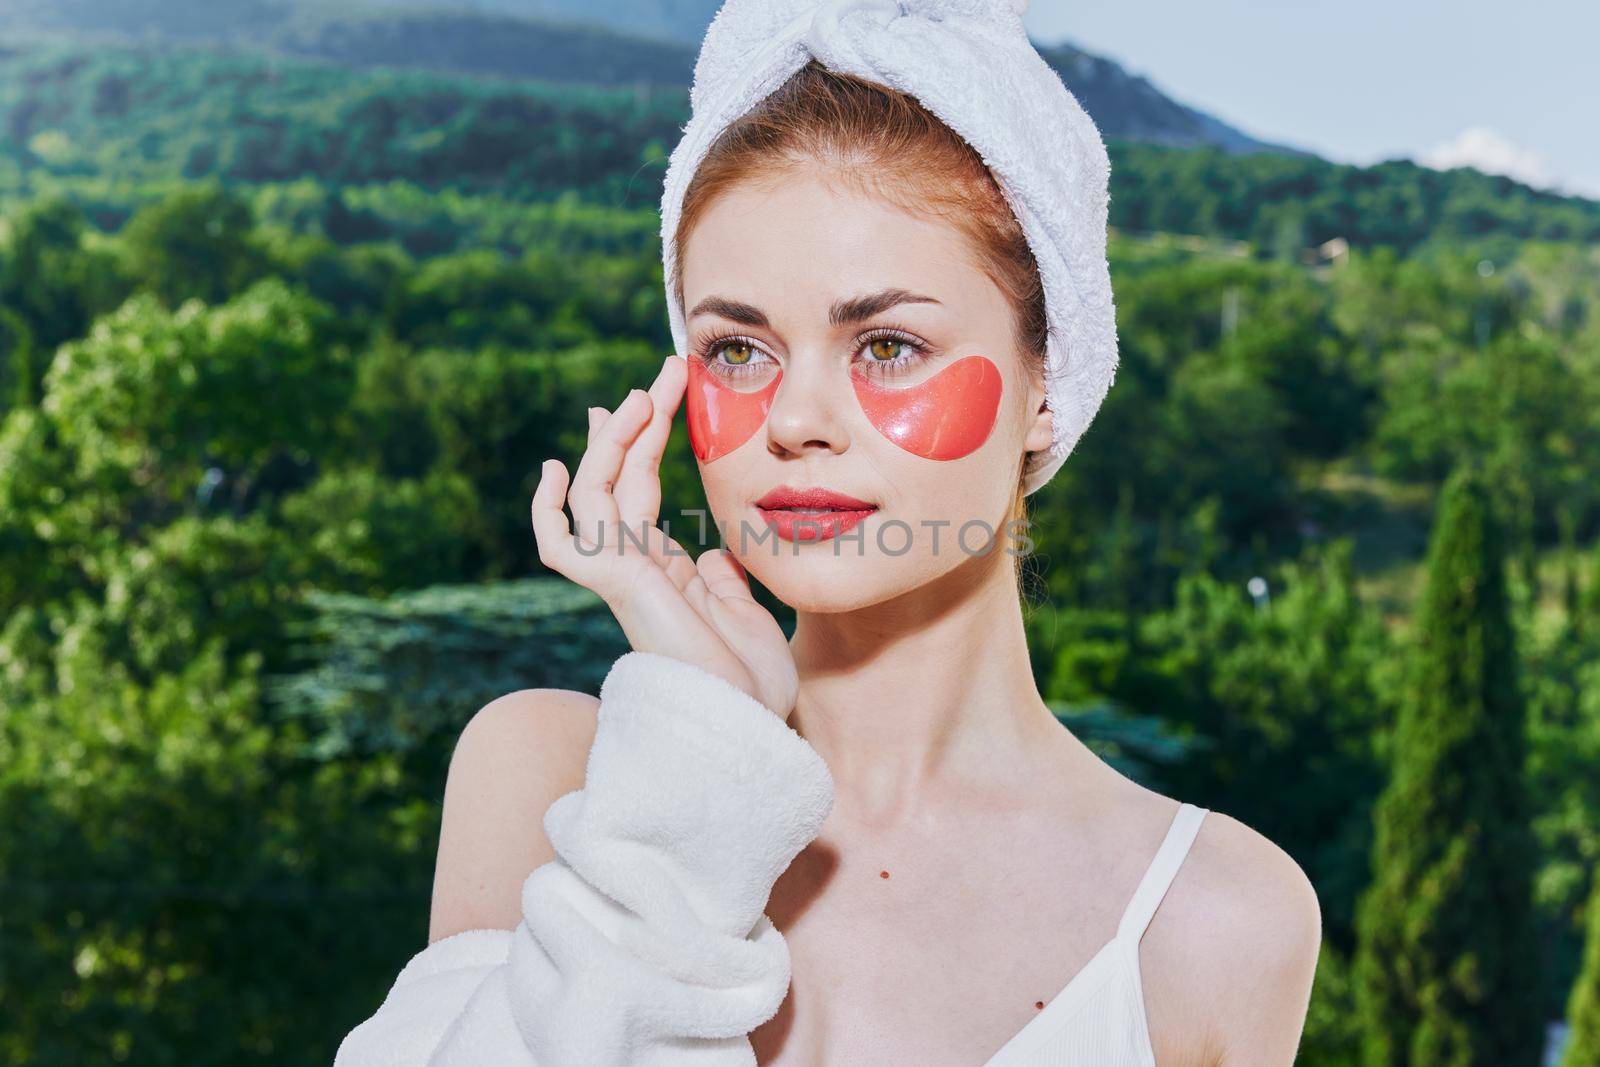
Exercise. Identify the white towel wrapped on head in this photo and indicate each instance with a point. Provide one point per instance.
(971, 64)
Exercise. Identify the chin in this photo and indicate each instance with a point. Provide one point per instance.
(818, 582)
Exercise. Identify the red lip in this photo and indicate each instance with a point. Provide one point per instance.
(842, 512)
(787, 496)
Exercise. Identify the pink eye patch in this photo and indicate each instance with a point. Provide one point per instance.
(722, 418)
(945, 417)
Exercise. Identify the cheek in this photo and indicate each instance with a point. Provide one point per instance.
(721, 419)
(945, 417)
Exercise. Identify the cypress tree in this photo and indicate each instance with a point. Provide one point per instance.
(1583, 1007)
(1446, 965)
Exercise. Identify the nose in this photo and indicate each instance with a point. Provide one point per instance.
(808, 407)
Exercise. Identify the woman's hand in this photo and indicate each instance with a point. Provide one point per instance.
(699, 611)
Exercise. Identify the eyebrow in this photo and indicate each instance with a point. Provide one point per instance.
(842, 313)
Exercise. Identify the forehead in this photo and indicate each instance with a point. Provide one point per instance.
(787, 241)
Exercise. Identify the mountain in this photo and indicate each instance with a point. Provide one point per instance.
(609, 43)
(683, 21)
(1127, 107)
(116, 122)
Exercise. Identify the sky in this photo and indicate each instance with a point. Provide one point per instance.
(1508, 88)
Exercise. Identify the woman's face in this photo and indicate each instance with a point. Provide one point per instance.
(838, 342)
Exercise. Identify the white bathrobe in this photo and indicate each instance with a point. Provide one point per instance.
(644, 941)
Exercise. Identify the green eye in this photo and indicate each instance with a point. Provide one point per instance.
(747, 350)
(887, 341)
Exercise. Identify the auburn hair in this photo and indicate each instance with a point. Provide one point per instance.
(888, 145)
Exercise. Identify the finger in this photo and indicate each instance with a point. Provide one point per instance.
(724, 576)
(666, 554)
(671, 557)
(716, 581)
(597, 418)
(638, 489)
(594, 508)
(696, 593)
(550, 529)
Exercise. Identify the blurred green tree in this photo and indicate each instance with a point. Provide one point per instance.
(51, 276)
(200, 408)
(21, 378)
(1288, 690)
(1332, 1034)
(1583, 1007)
(199, 242)
(1447, 968)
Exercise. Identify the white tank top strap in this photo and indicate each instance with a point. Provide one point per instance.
(1163, 868)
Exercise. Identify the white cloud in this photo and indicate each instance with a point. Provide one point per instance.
(1492, 152)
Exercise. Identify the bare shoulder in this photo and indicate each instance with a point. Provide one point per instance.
(516, 755)
(1230, 955)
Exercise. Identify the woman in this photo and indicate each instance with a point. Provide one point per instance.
(871, 843)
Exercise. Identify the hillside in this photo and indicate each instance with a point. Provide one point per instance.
(1130, 108)
(620, 43)
(153, 113)
(679, 20)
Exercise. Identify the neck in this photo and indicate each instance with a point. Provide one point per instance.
(926, 695)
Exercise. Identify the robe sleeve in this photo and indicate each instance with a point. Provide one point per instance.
(644, 941)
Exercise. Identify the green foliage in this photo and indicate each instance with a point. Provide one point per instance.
(19, 373)
(450, 38)
(1398, 204)
(1138, 746)
(199, 579)
(1289, 694)
(160, 112)
(359, 531)
(157, 399)
(483, 43)
(267, 446)
(1232, 376)
(166, 864)
(1583, 1008)
(402, 673)
(48, 536)
(484, 412)
(483, 298)
(51, 281)
(157, 112)
(199, 242)
(1563, 688)
(1521, 405)
(1332, 1034)
(176, 848)
(1447, 969)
